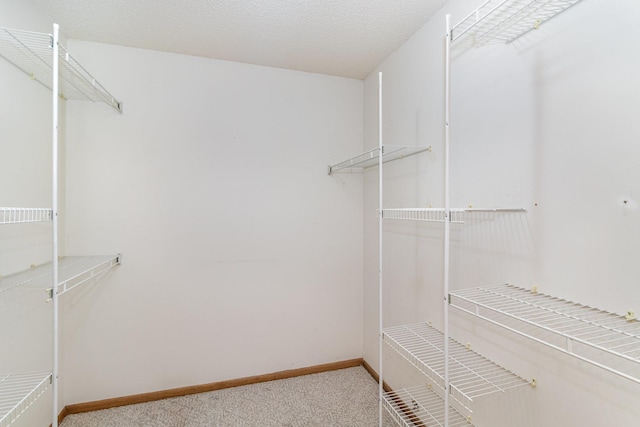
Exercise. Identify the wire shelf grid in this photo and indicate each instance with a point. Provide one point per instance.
(457, 215)
(73, 271)
(24, 215)
(420, 406)
(371, 158)
(506, 20)
(588, 333)
(32, 53)
(18, 392)
(471, 375)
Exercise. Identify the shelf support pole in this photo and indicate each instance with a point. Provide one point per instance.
(54, 219)
(380, 223)
(447, 214)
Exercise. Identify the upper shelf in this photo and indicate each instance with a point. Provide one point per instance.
(32, 53)
(72, 271)
(18, 392)
(24, 215)
(457, 215)
(370, 158)
(604, 339)
(506, 20)
(471, 375)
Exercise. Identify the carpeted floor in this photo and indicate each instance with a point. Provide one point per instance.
(343, 398)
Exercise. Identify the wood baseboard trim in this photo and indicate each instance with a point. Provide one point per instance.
(78, 408)
(375, 376)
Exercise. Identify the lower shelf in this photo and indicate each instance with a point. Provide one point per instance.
(420, 407)
(73, 271)
(471, 375)
(607, 340)
(18, 392)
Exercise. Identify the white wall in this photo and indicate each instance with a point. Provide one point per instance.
(547, 123)
(241, 256)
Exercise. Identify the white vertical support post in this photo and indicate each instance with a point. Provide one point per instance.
(447, 213)
(54, 219)
(380, 207)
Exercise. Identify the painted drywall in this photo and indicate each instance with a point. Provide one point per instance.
(547, 123)
(241, 256)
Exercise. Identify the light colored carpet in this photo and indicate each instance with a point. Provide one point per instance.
(342, 398)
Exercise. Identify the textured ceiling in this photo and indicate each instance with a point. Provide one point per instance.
(338, 37)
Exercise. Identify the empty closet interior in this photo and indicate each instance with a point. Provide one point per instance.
(168, 220)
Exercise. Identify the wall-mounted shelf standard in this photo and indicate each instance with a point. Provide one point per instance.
(604, 339)
(32, 53)
(471, 375)
(73, 271)
(371, 158)
(24, 215)
(506, 20)
(18, 392)
(45, 60)
(457, 215)
(420, 406)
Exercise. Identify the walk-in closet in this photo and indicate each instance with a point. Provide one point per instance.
(423, 213)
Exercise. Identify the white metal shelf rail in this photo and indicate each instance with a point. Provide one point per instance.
(32, 53)
(506, 20)
(370, 158)
(24, 215)
(73, 271)
(471, 375)
(18, 392)
(421, 406)
(589, 334)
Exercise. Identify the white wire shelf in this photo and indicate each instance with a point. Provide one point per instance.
(420, 406)
(18, 392)
(457, 215)
(607, 340)
(24, 215)
(506, 20)
(370, 158)
(32, 53)
(471, 375)
(72, 271)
